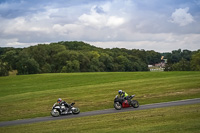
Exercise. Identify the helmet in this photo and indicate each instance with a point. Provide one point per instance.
(120, 92)
(59, 100)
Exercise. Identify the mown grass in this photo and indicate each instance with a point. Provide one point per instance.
(179, 119)
(28, 96)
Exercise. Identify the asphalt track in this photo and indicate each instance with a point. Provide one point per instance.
(99, 112)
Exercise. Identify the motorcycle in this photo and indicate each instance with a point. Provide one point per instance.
(120, 102)
(58, 110)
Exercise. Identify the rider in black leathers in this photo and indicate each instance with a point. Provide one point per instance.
(63, 103)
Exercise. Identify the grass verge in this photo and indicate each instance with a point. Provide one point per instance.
(179, 119)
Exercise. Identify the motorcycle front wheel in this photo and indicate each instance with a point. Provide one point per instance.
(76, 111)
(117, 106)
(55, 113)
(135, 103)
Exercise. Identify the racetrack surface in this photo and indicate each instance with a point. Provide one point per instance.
(99, 112)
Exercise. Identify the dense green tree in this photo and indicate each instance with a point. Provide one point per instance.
(153, 57)
(71, 66)
(84, 62)
(94, 65)
(136, 66)
(38, 53)
(53, 50)
(122, 62)
(106, 62)
(186, 54)
(195, 62)
(46, 68)
(182, 65)
(11, 57)
(140, 54)
(26, 64)
(4, 68)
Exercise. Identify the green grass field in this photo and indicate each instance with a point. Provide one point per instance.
(28, 96)
(179, 119)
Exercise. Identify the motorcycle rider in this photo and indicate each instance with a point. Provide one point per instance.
(124, 95)
(60, 102)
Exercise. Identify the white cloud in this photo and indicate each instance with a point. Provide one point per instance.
(94, 20)
(73, 31)
(113, 23)
(100, 20)
(14, 42)
(182, 17)
(158, 42)
(21, 25)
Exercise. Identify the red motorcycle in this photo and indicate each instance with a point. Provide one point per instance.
(120, 102)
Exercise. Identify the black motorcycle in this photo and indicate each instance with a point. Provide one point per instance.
(120, 102)
(58, 110)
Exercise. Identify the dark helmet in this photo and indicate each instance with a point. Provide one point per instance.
(120, 92)
(59, 100)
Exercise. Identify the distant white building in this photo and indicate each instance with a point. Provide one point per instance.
(159, 65)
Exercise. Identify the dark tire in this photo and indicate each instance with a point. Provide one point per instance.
(135, 104)
(76, 111)
(55, 113)
(117, 106)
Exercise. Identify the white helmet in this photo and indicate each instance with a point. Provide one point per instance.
(120, 92)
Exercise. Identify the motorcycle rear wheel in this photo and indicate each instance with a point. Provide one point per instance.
(117, 106)
(55, 113)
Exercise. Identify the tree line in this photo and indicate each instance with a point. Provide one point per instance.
(73, 56)
(185, 60)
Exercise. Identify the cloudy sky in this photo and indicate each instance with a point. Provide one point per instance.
(160, 25)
